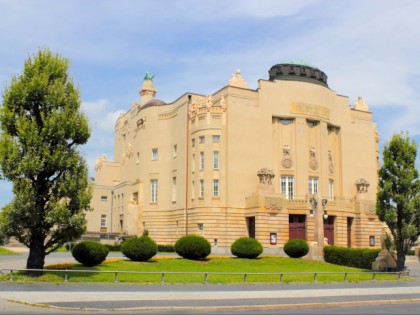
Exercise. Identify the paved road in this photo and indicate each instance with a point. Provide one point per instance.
(205, 299)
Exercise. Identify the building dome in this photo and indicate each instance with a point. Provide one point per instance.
(153, 102)
(298, 70)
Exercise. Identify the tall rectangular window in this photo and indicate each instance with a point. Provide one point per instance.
(331, 190)
(287, 188)
(193, 163)
(313, 185)
(193, 189)
(153, 190)
(201, 139)
(201, 188)
(193, 142)
(216, 138)
(215, 188)
(216, 160)
(173, 188)
(103, 220)
(154, 154)
(201, 161)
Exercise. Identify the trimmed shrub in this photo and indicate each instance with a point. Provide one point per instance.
(90, 253)
(352, 257)
(166, 248)
(246, 247)
(193, 247)
(139, 248)
(296, 248)
(114, 247)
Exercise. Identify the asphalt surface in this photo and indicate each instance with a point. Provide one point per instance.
(112, 297)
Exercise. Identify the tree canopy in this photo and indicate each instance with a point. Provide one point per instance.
(41, 129)
(398, 198)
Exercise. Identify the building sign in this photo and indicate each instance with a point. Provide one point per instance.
(273, 238)
(310, 110)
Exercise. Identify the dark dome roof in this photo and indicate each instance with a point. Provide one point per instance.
(154, 102)
(298, 71)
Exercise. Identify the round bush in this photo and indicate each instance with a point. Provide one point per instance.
(246, 247)
(296, 248)
(89, 253)
(139, 248)
(193, 247)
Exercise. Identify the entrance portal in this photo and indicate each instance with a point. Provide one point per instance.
(250, 224)
(329, 230)
(297, 226)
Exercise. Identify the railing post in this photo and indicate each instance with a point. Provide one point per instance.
(281, 277)
(345, 276)
(11, 275)
(116, 276)
(314, 276)
(205, 277)
(65, 276)
(373, 276)
(245, 277)
(163, 278)
(399, 275)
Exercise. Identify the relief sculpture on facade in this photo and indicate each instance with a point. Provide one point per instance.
(313, 163)
(362, 186)
(330, 162)
(100, 162)
(287, 159)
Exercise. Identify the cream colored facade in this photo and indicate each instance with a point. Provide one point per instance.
(242, 162)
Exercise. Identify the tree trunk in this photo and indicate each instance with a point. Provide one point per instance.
(36, 258)
(400, 259)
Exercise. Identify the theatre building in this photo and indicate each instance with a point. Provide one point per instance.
(290, 159)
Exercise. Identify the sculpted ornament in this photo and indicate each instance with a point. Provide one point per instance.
(266, 176)
(330, 162)
(287, 160)
(99, 162)
(362, 186)
(313, 163)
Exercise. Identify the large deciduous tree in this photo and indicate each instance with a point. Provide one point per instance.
(41, 129)
(398, 198)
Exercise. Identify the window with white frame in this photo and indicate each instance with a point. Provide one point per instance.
(216, 138)
(287, 186)
(154, 154)
(331, 190)
(173, 189)
(175, 150)
(103, 220)
(200, 226)
(201, 161)
(201, 139)
(201, 188)
(215, 188)
(104, 198)
(216, 160)
(153, 190)
(313, 185)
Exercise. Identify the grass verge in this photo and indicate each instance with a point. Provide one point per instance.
(5, 251)
(227, 264)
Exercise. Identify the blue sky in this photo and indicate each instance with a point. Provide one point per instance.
(368, 48)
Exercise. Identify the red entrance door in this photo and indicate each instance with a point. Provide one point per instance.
(297, 227)
(329, 230)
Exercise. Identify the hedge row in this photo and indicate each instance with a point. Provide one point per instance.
(352, 257)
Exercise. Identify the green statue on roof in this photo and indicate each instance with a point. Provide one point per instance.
(148, 76)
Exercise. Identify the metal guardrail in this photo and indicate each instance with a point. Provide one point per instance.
(204, 274)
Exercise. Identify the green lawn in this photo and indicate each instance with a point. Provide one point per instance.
(265, 264)
(5, 251)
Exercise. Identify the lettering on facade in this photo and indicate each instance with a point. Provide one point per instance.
(310, 110)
